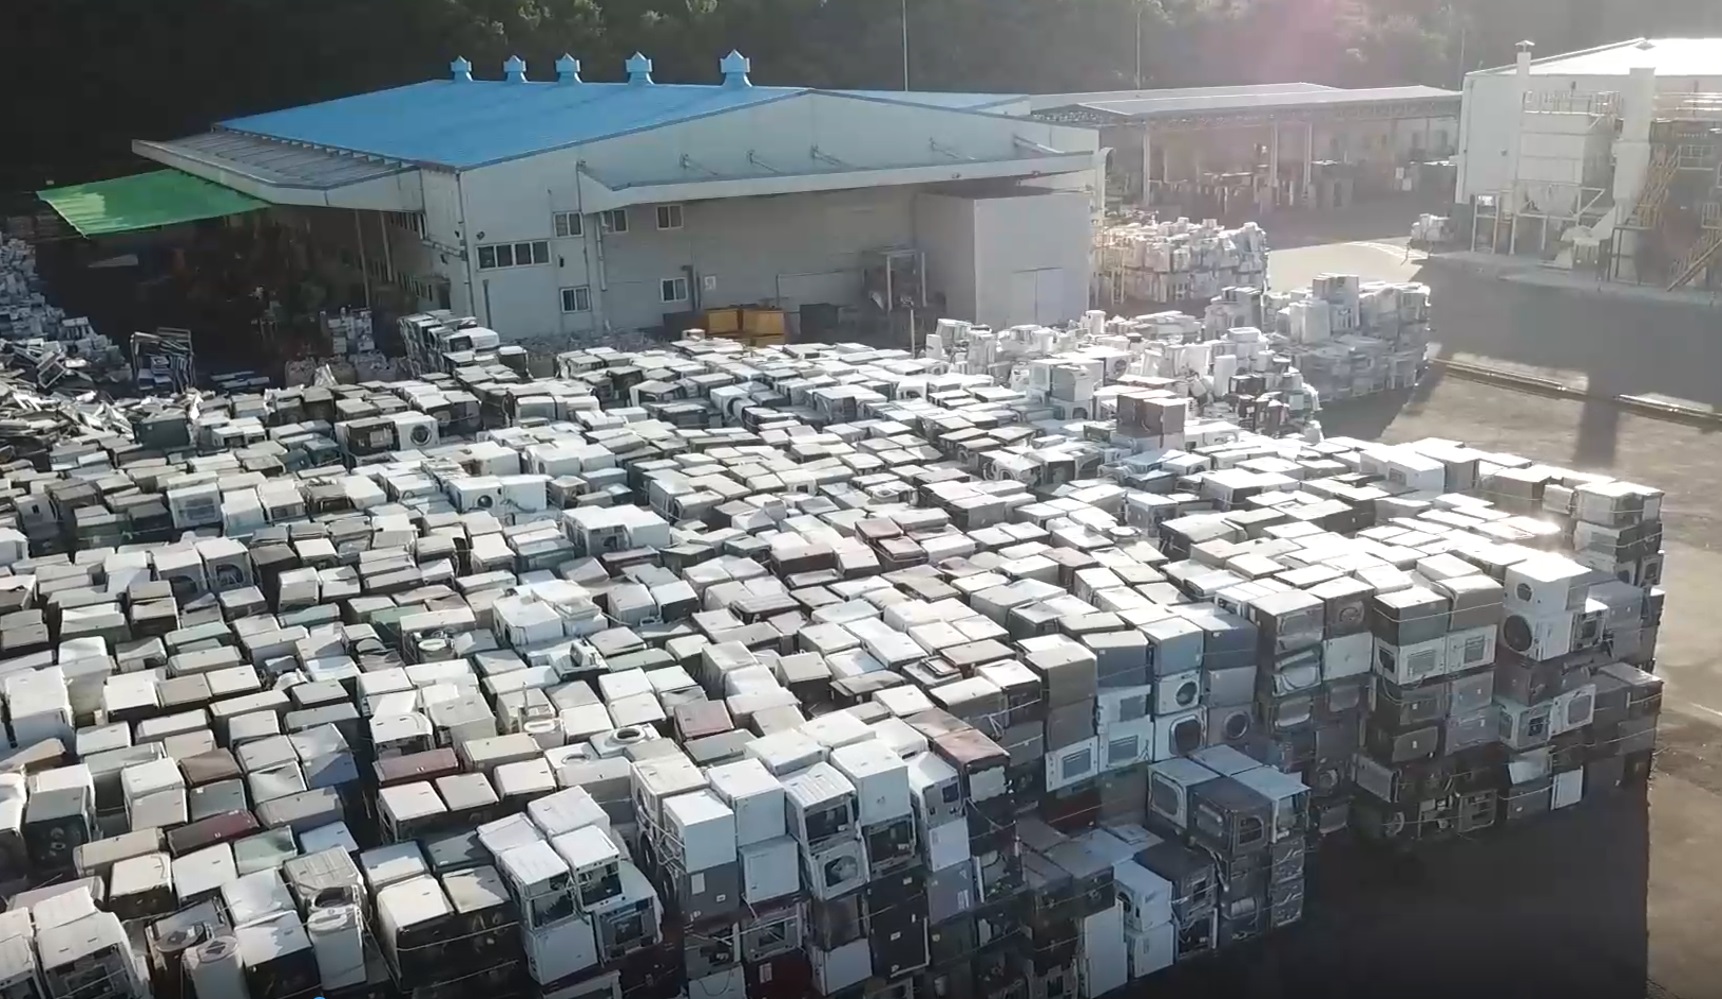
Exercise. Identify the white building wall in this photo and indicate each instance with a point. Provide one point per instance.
(1032, 258)
(445, 230)
(794, 250)
(780, 136)
(945, 230)
(1490, 121)
(1554, 151)
(790, 249)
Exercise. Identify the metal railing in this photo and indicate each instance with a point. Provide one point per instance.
(1647, 211)
(1572, 102)
(1697, 259)
(1689, 107)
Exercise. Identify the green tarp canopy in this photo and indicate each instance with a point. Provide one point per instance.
(145, 201)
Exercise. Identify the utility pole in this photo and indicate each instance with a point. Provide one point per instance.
(1138, 44)
(1459, 22)
(905, 45)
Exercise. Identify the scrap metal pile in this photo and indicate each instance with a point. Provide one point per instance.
(38, 338)
(1353, 338)
(1178, 261)
(1226, 369)
(1266, 359)
(807, 670)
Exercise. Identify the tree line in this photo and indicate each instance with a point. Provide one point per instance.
(88, 76)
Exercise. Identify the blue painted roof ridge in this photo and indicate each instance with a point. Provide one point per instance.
(767, 98)
(466, 124)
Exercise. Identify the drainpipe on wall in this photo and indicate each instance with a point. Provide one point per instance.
(467, 248)
(388, 253)
(602, 298)
(364, 264)
(1521, 87)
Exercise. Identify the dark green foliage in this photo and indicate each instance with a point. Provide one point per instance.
(84, 77)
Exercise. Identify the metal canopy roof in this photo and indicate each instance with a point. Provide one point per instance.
(144, 201)
(1046, 101)
(612, 192)
(279, 164)
(1244, 106)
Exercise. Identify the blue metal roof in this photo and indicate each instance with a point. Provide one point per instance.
(469, 123)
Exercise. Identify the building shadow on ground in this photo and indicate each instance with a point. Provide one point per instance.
(1555, 907)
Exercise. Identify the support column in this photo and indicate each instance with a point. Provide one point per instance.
(1309, 160)
(1274, 161)
(388, 254)
(1147, 164)
(364, 265)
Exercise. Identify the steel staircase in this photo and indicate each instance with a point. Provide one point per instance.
(1664, 166)
(1697, 258)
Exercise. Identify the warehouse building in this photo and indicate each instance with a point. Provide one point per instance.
(1609, 157)
(1261, 146)
(568, 208)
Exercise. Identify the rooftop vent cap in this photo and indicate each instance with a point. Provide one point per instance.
(515, 69)
(639, 69)
(735, 67)
(567, 69)
(460, 70)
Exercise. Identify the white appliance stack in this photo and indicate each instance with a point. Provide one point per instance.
(811, 670)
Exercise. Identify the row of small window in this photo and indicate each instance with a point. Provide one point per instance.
(568, 224)
(413, 222)
(613, 222)
(670, 291)
(497, 255)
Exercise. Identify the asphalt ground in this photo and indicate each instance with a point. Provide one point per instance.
(1616, 898)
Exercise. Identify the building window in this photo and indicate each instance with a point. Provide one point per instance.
(513, 254)
(669, 216)
(615, 220)
(577, 299)
(673, 289)
(569, 224)
(413, 222)
(1694, 155)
